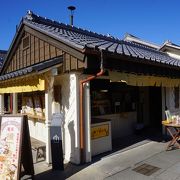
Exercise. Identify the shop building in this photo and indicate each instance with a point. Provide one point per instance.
(101, 86)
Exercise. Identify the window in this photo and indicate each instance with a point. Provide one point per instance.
(112, 97)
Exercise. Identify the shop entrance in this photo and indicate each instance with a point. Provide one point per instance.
(113, 114)
(155, 106)
(123, 115)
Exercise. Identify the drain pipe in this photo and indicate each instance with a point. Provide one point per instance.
(81, 123)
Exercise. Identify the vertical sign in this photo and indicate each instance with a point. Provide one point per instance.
(10, 143)
(56, 142)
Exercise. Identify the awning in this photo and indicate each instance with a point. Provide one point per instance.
(142, 80)
(23, 85)
(27, 79)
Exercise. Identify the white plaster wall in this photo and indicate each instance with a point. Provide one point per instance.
(69, 107)
(170, 101)
(174, 55)
(37, 129)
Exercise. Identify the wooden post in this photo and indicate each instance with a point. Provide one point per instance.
(15, 103)
(48, 114)
(87, 114)
(48, 107)
(1, 103)
(11, 103)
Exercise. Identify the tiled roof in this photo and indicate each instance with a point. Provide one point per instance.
(81, 39)
(33, 68)
(2, 56)
(132, 38)
(169, 44)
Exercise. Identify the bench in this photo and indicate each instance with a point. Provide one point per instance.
(39, 147)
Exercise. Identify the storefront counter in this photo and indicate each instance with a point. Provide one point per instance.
(101, 140)
(122, 124)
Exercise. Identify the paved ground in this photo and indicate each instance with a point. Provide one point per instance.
(121, 165)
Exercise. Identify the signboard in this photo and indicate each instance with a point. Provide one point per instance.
(56, 142)
(9, 146)
(13, 132)
(99, 131)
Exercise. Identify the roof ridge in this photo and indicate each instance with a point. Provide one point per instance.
(30, 16)
(135, 44)
(3, 51)
(132, 38)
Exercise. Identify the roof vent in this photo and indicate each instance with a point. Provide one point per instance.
(71, 8)
(26, 42)
(29, 15)
(167, 42)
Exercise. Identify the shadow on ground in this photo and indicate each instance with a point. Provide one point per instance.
(119, 145)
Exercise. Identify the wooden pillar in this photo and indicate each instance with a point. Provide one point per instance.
(87, 114)
(164, 106)
(15, 103)
(48, 114)
(11, 103)
(1, 103)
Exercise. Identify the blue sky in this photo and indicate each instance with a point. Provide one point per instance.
(151, 20)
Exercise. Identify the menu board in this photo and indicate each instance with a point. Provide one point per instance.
(15, 147)
(10, 143)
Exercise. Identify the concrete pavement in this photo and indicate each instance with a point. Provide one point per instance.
(121, 165)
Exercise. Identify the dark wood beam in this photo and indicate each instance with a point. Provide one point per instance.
(140, 68)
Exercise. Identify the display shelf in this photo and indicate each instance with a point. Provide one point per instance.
(35, 117)
(101, 107)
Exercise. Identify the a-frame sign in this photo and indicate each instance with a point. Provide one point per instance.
(15, 147)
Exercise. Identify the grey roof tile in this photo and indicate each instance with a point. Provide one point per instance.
(36, 67)
(119, 49)
(125, 50)
(113, 47)
(132, 52)
(139, 53)
(105, 46)
(80, 38)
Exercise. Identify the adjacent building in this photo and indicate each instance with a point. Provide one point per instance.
(2, 56)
